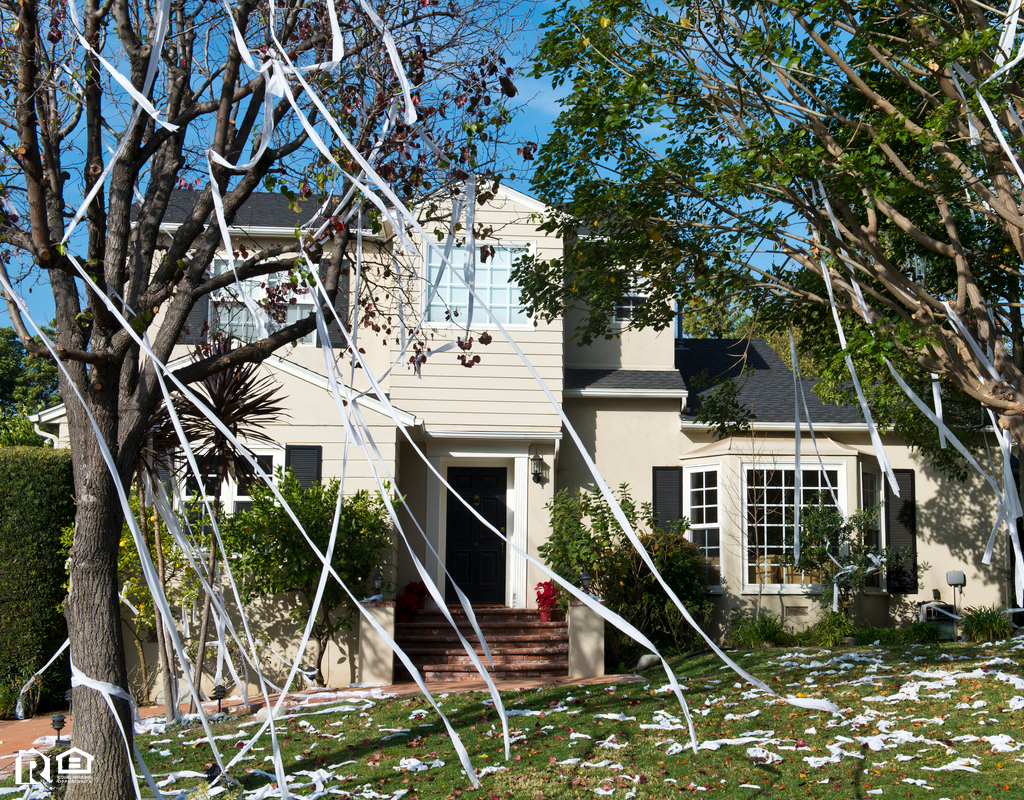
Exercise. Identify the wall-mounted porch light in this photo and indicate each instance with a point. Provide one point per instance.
(378, 581)
(538, 468)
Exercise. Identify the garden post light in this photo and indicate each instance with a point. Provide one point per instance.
(219, 693)
(585, 581)
(57, 721)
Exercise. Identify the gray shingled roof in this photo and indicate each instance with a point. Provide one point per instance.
(619, 380)
(767, 390)
(262, 210)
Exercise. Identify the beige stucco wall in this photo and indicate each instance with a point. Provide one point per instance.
(269, 619)
(630, 436)
(625, 349)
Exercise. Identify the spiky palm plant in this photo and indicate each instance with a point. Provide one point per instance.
(243, 400)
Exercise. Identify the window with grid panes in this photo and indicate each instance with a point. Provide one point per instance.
(702, 510)
(770, 501)
(493, 283)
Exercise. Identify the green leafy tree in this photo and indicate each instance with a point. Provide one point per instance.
(750, 147)
(16, 430)
(26, 382)
(274, 558)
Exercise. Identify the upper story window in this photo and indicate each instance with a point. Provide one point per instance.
(769, 510)
(626, 308)
(227, 315)
(494, 285)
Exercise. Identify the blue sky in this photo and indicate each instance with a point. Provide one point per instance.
(538, 107)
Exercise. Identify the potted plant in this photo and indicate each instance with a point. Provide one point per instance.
(547, 599)
(410, 601)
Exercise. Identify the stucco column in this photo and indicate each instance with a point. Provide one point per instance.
(517, 594)
(375, 665)
(586, 641)
(432, 528)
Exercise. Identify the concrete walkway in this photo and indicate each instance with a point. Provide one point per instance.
(18, 735)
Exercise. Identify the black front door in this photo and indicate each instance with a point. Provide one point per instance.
(475, 557)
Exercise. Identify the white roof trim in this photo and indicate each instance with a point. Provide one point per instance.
(49, 416)
(54, 414)
(516, 196)
(665, 394)
(511, 436)
(320, 381)
(785, 426)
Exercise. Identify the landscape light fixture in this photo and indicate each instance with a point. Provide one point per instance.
(585, 581)
(378, 581)
(538, 468)
(219, 693)
(57, 721)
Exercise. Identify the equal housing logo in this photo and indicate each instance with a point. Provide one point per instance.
(34, 768)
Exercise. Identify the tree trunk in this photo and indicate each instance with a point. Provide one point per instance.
(163, 643)
(94, 627)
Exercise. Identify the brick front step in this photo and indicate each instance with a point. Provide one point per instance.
(559, 645)
(522, 646)
(453, 654)
(547, 637)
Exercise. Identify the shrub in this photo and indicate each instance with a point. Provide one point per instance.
(842, 550)
(585, 536)
(38, 490)
(832, 628)
(886, 637)
(985, 624)
(921, 633)
(274, 557)
(752, 631)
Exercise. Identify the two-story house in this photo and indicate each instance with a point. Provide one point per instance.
(492, 430)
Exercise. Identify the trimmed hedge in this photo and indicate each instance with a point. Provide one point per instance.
(37, 491)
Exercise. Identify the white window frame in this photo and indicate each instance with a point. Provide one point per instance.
(806, 466)
(635, 299)
(688, 471)
(879, 501)
(227, 295)
(480, 319)
(230, 494)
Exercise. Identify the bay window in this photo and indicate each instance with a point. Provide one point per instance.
(769, 512)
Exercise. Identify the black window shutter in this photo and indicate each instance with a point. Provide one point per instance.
(901, 532)
(668, 494)
(305, 461)
(196, 322)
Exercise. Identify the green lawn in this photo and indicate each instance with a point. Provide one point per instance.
(920, 721)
